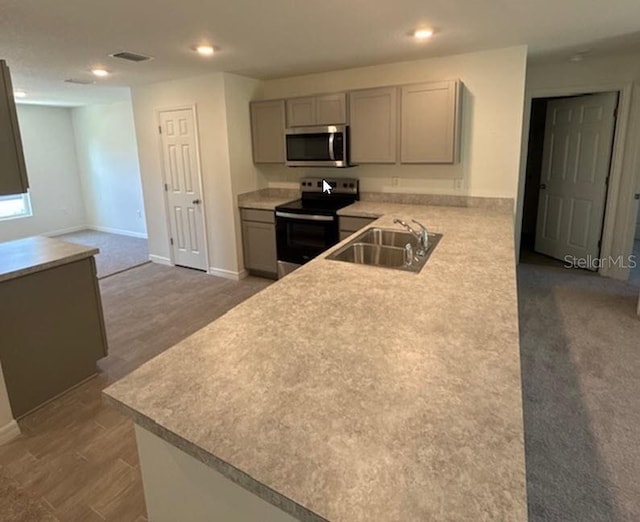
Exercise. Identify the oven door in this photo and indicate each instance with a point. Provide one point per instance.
(316, 146)
(301, 237)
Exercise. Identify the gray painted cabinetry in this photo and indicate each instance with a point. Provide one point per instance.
(13, 172)
(429, 123)
(373, 116)
(259, 242)
(52, 332)
(267, 131)
(326, 109)
(418, 123)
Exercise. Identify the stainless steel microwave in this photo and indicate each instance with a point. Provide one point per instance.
(325, 146)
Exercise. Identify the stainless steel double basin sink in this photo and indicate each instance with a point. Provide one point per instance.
(387, 248)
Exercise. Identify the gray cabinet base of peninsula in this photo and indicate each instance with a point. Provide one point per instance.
(179, 487)
(52, 332)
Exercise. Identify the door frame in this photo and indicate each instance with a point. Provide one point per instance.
(193, 108)
(617, 180)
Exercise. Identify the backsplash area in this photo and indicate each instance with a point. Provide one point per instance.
(413, 179)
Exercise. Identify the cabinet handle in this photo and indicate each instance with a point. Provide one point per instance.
(196, 202)
(543, 186)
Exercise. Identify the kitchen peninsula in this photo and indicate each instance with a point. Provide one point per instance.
(346, 392)
(50, 318)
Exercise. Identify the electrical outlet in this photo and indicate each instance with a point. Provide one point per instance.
(394, 181)
(139, 212)
(457, 184)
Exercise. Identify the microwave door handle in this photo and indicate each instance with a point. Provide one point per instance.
(332, 154)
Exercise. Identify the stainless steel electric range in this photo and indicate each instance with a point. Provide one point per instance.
(308, 226)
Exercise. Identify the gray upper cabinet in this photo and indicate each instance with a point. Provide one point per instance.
(13, 172)
(267, 131)
(331, 109)
(430, 126)
(326, 109)
(373, 125)
(301, 112)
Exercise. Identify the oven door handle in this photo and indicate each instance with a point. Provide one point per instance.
(305, 217)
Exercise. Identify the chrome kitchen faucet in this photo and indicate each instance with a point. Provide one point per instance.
(422, 235)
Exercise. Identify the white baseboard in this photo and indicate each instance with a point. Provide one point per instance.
(161, 260)
(62, 231)
(9, 432)
(118, 231)
(228, 274)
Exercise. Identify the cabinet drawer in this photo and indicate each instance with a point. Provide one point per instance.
(262, 216)
(351, 224)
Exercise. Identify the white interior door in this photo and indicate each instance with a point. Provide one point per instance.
(575, 168)
(182, 184)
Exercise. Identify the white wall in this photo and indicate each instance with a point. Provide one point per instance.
(224, 141)
(108, 164)
(8, 427)
(56, 194)
(492, 122)
(245, 177)
(600, 74)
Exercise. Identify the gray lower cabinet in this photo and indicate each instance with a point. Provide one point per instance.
(13, 172)
(53, 332)
(350, 224)
(259, 242)
(267, 131)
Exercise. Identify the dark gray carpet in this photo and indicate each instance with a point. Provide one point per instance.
(117, 252)
(580, 349)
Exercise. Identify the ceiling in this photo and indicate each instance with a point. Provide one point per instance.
(47, 42)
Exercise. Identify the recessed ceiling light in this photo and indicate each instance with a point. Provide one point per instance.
(205, 50)
(100, 72)
(19, 94)
(423, 34)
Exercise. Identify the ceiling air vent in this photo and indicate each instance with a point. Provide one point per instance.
(79, 81)
(132, 57)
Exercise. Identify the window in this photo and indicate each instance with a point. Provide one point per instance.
(15, 206)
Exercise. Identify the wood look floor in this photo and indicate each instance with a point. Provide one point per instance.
(76, 455)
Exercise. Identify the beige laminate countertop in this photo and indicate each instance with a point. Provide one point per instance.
(352, 393)
(260, 202)
(33, 254)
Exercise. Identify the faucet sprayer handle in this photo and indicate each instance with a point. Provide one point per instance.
(408, 254)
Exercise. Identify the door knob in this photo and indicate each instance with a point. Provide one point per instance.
(196, 202)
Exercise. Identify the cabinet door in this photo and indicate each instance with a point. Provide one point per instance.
(259, 240)
(373, 125)
(13, 172)
(301, 112)
(331, 109)
(267, 131)
(429, 128)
